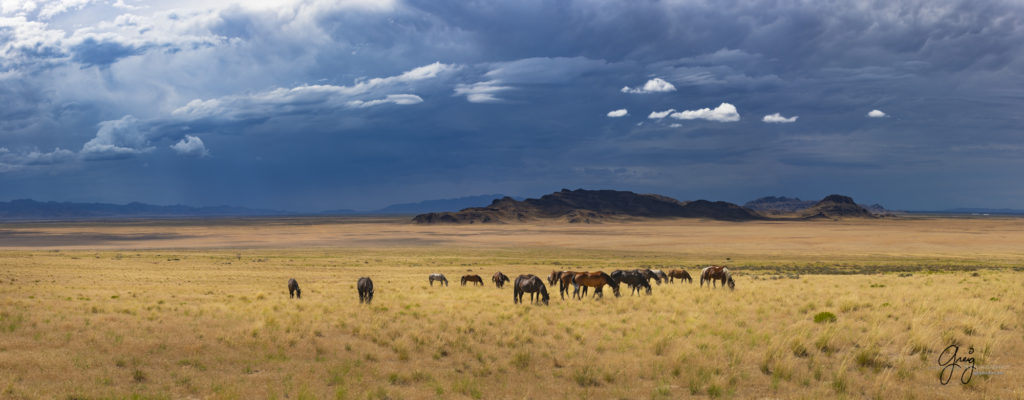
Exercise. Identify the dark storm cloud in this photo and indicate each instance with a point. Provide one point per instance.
(353, 105)
(91, 52)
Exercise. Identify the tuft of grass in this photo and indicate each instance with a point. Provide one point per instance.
(138, 376)
(586, 376)
(824, 317)
(521, 360)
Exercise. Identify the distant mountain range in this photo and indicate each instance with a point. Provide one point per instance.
(25, 209)
(584, 206)
(426, 206)
(993, 211)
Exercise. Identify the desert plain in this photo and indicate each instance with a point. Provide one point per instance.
(194, 308)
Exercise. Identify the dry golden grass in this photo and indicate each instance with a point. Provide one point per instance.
(105, 314)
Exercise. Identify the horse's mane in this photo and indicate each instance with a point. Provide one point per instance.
(612, 281)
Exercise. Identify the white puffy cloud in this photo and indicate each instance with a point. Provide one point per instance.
(119, 138)
(656, 85)
(191, 146)
(661, 114)
(51, 9)
(622, 112)
(779, 119)
(725, 112)
(481, 92)
(876, 114)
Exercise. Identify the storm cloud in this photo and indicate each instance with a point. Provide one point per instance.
(312, 105)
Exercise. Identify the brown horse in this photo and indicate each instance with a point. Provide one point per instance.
(679, 274)
(472, 278)
(564, 279)
(293, 289)
(716, 273)
(531, 284)
(596, 280)
(499, 279)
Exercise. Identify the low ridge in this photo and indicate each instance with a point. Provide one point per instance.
(779, 205)
(586, 206)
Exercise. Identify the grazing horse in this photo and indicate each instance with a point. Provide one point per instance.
(365, 287)
(649, 274)
(633, 279)
(680, 274)
(293, 289)
(716, 273)
(499, 279)
(659, 275)
(564, 279)
(472, 278)
(439, 278)
(531, 284)
(596, 280)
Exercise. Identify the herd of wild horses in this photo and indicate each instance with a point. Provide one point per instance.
(636, 279)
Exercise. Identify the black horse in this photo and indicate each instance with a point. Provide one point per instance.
(499, 279)
(531, 284)
(365, 286)
(293, 289)
(634, 279)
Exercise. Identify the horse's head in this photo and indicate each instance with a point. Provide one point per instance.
(614, 283)
(544, 295)
(552, 277)
(731, 283)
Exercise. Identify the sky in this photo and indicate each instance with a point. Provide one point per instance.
(315, 105)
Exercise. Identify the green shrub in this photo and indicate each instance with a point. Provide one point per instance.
(824, 317)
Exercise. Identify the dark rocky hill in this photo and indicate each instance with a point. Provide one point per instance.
(779, 205)
(836, 206)
(586, 206)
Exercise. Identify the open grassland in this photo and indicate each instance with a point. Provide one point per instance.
(162, 310)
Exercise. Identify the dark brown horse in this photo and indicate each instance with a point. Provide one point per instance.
(531, 284)
(365, 287)
(596, 280)
(650, 274)
(472, 278)
(499, 279)
(716, 273)
(634, 279)
(293, 289)
(679, 274)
